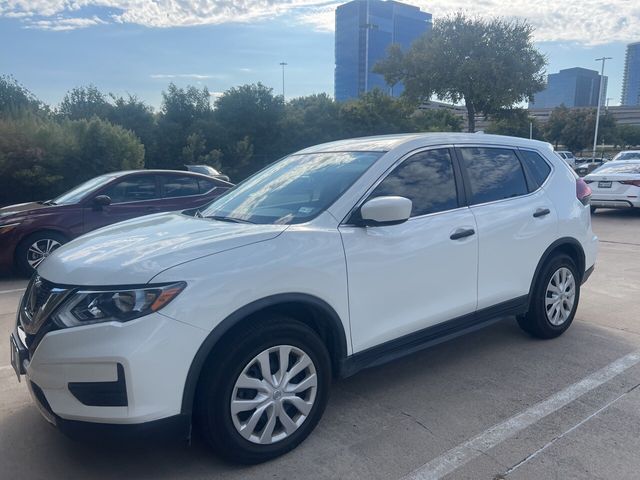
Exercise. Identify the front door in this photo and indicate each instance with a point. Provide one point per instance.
(404, 278)
(133, 196)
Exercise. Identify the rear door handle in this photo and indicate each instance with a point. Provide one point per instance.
(541, 212)
(462, 233)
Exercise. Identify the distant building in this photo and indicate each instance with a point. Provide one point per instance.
(364, 30)
(572, 87)
(631, 82)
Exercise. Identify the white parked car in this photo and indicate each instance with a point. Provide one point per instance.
(615, 184)
(568, 158)
(627, 155)
(336, 258)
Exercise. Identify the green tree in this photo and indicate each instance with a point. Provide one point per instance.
(629, 135)
(515, 123)
(133, 114)
(488, 64)
(431, 120)
(310, 120)
(85, 102)
(183, 113)
(249, 115)
(374, 113)
(555, 125)
(16, 99)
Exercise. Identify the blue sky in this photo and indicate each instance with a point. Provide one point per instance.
(139, 46)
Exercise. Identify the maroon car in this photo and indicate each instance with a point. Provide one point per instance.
(31, 231)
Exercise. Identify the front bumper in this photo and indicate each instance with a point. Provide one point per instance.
(114, 373)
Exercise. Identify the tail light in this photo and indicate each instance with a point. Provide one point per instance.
(583, 191)
(635, 183)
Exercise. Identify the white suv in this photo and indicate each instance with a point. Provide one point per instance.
(568, 157)
(331, 260)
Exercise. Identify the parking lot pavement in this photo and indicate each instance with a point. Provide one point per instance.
(494, 404)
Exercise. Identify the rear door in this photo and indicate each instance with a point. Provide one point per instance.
(404, 278)
(516, 220)
(132, 196)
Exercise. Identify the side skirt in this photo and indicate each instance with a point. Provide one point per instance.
(431, 336)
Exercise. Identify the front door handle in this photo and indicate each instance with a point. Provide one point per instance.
(462, 233)
(541, 212)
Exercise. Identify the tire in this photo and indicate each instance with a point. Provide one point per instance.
(551, 322)
(27, 259)
(593, 210)
(220, 384)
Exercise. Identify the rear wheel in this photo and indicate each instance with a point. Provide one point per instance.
(264, 393)
(32, 251)
(555, 299)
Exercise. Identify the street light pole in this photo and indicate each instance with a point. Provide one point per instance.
(595, 135)
(283, 64)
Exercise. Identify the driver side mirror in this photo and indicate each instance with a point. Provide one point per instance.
(381, 211)
(101, 201)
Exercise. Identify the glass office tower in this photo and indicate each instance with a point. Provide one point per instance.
(364, 30)
(571, 87)
(631, 82)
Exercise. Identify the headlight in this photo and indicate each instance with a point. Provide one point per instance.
(85, 307)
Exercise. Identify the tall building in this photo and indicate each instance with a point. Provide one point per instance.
(631, 82)
(571, 87)
(364, 30)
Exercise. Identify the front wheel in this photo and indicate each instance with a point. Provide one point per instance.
(264, 394)
(555, 299)
(32, 251)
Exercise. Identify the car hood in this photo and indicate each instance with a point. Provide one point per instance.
(135, 251)
(20, 209)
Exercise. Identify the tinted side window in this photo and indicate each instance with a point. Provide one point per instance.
(538, 167)
(494, 174)
(179, 186)
(426, 179)
(133, 189)
(205, 185)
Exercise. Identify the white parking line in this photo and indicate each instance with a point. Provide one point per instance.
(478, 445)
(15, 290)
(5, 367)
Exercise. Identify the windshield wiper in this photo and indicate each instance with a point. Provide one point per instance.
(48, 202)
(229, 219)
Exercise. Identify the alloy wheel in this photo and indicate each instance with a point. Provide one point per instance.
(560, 296)
(274, 394)
(40, 250)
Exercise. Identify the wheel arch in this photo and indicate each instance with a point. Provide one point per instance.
(310, 310)
(567, 245)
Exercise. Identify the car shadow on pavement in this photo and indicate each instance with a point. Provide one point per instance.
(380, 423)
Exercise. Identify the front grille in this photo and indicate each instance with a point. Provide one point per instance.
(40, 300)
(37, 294)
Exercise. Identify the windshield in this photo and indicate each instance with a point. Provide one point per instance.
(76, 194)
(294, 189)
(628, 156)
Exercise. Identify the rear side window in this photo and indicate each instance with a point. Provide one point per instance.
(494, 174)
(537, 166)
(206, 185)
(426, 179)
(180, 186)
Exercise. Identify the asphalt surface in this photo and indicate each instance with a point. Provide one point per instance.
(494, 404)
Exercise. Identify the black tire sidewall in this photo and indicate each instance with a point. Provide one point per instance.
(214, 401)
(540, 323)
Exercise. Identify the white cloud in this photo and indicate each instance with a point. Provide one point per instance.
(591, 22)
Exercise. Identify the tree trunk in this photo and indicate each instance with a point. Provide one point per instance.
(471, 116)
